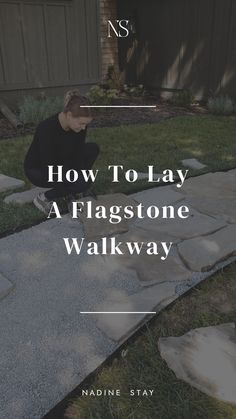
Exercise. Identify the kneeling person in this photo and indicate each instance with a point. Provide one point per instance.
(61, 140)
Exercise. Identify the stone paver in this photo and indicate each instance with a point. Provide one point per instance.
(205, 358)
(213, 194)
(150, 269)
(5, 287)
(232, 172)
(142, 175)
(202, 253)
(171, 270)
(96, 228)
(218, 207)
(9, 183)
(25, 197)
(196, 224)
(211, 185)
(158, 196)
(193, 164)
(119, 326)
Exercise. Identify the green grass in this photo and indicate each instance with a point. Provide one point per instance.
(210, 139)
(210, 303)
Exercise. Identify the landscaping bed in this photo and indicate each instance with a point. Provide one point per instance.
(116, 117)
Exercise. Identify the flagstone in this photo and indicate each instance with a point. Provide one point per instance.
(205, 358)
(196, 224)
(193, 164)
(25, 197)
(158, 196)
(232, 172)
(143, 175)
(219, 207)
(210, 185)
(203, 253)
(95, 228)
(8, 183)
(118, 326)
(150, 269)
(5, 286)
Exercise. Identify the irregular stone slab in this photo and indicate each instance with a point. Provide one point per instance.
(25, 197)
(119, 326)
(220, 207)
(202, 253)
(142, 175)
(5, 286)
(95, 228)
(195, 225)
(211, 185)
(8, 183)
(193, 164)
(135, 235)
(158, 196)
(150, 269)
(205, 358)
(232, 172)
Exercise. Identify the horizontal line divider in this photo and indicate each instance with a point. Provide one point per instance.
(118, 312)
(117, 106)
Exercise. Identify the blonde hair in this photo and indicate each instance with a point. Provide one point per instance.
(73, 101)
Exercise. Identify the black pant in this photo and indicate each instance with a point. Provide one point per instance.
(86, 159)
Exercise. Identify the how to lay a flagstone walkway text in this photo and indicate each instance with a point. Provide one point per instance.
(54, 330)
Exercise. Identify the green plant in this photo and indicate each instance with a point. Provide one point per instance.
(33, 109)
(184, 98)
(221, 105)
(134, 90)
(115, 78)
(100, 96)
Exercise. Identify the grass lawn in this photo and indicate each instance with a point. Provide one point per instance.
(210, 139)
(140, 365)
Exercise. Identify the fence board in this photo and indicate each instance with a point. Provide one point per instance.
(57, 43)
(92, 38)
(219, 44)
(12, 43)
(35, 43)
(2, 75)
(44, 43)
(229, 82)
(185, 44)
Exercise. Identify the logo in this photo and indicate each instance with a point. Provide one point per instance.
(119, 27)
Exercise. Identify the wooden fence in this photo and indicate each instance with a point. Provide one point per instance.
(47, 43)
(181, 44)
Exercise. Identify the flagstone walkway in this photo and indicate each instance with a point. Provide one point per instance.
(48, 346)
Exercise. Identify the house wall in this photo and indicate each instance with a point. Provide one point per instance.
(109, 46)
(182, 44)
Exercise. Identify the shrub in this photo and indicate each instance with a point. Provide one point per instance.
(134, 90)
(100, 96)
(184, 98)
(221, 105)
(33, 109)
(115, 79)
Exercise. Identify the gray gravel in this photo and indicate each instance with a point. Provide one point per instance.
(47, 346)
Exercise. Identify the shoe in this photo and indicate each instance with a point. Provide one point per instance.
(42, 203)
